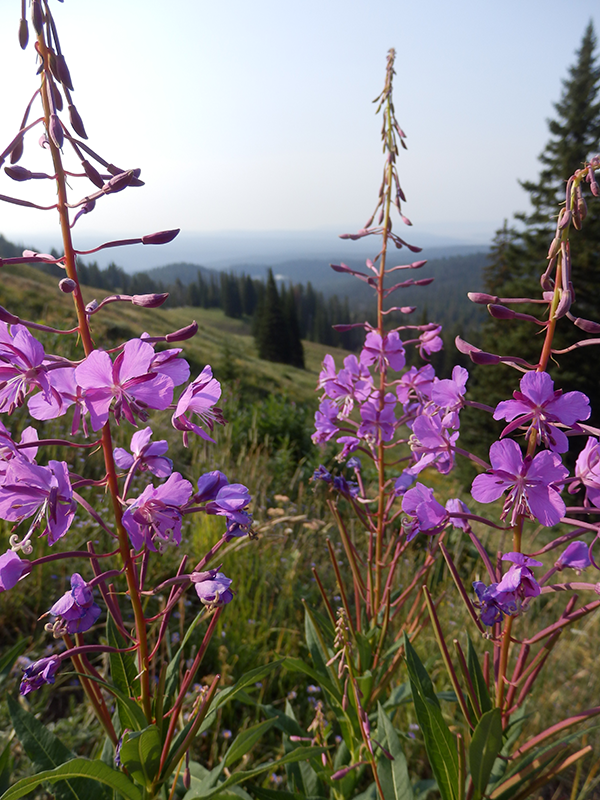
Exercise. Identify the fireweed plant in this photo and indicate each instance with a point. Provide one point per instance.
(395, 423)
(136, 692)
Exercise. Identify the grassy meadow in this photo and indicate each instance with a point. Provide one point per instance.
(267, 447)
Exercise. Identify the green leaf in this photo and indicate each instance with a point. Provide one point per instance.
(479, 684)
(298, 665)
(299, 754)
(5, 767)
(283, 721)
(439, 742)
(485, 745)
(394, 773)
(511, 735)
(140, 754)
(246, 740)
(7, 661)
(46, 752)
(123, 670)
(274, 794)
(400, 694)
(93, 771)
(315, 643)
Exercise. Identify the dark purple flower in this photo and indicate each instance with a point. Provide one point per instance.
(575, 556)
(420, 504)
(321, 474)
(154, 518)
(354, 463)
(22, 366)
(430, 342)
(324, 422)
(148, 455)
(230, 501)
(493, 605)
(539, 404)
(532, 483)
(213, 588)
(209, 486)
(39, 673)
(129, 382)
(350, 444)
(199, 398)
(416, 384)
(433, 443)
(386, 352)
(404, 481)
(30, 489)
(456, 506)
(76, 608)
(343, 486)
(12, 568)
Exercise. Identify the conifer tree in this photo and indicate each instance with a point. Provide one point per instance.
(519, 253)
(271, 330)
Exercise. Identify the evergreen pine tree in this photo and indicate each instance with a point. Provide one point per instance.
(271, 327)
(519, 254)
(295, 354)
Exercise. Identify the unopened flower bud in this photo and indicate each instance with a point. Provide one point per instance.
(62, 72)
(37, 16)
(23, 33)
(92, 172)
(18, 173)
(120, 181)
(481, 297)
(91, 307)
(77, 123)
(564, 219)
(149, 300)
(16, 152)
(187, 779)
(500, 312)
(161, 237)
(587, 325)
(581, 206)
(55, 131)
(6, 316)
(592, 181)
(484, 358)
(56, 97)
(405, 220)
(554, 247)
(67, 285)
(183, 333)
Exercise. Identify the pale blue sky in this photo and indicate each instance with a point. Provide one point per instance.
(257, 115)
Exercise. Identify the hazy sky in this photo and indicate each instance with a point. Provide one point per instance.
(257, 115)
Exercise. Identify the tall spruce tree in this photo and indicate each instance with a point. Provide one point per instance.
(519, 254)
(272, 329)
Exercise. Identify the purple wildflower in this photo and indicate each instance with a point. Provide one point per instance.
(199, 398)
(378, 424)
(145, 454)
(386, 352)
(416, 384)
(430, 342)
(354, 463)
(39, 673)
(587, 469)
(429, 515)
(350, 444)
(76, 608)
(324, 422)
(349, 488)
(21, 366)
(538, 403)
(8, 449)
(30, 489)
(404, 481)
(154, 518)
(456, 506)
(353, 382)
(321, 474)
(448, 394)
(519, 580)
(433, 443)
(209, 486)
(532, 483)
(128, 382)
(492, 604)
(168, 363)
(230, 502)
(576, 556)
(12, 569)
(213, 588)
(64, 393)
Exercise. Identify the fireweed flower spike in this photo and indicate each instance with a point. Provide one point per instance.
(39, 673)
(21, 366)
(532, 483)
(154, 518)
(540, 405)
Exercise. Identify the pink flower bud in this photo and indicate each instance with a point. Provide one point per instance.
(6, 316)
(92, 173)
(183, 333)
(162, 237)
(55, 131)
(501, 312)
(484, 358)
(149, 300)
(37, 17)
(18, 173)
(91, 307)
(17, 151)
(554, 247)
(77, 124)
(62, 72)
(23, 34)
(67, 285)
(56, 96)
(587, 325)
(417, 264)
(405, 220)
(564, 219)
(481, 297)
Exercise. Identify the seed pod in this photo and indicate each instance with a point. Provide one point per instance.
(76, 122)
(23, 34)
(67, 285)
